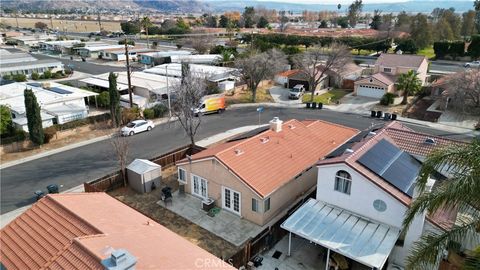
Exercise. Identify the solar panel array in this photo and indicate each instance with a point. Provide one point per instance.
(393, 165)
(59, 90)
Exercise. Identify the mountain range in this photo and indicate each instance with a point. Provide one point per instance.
(199, 6)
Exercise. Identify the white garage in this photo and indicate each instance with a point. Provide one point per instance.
(370, 91)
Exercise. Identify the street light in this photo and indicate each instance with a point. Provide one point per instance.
(259, 110)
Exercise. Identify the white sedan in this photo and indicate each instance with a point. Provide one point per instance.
(137, 126)
(475, 64)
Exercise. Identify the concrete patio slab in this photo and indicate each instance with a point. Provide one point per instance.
(225, 225)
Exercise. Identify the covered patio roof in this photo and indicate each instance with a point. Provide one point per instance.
(358, 238)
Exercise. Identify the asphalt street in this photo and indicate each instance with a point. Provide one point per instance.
(72, 168)
(85, 67)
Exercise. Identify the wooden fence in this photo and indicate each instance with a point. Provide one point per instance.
(114, 180)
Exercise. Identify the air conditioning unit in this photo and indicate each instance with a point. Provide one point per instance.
(208, 204)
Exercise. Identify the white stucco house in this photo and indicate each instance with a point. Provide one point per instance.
(363, 193)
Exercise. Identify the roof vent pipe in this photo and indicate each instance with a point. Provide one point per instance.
(120, 259)
(276, 124)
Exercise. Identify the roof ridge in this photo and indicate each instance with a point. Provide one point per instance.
(368, 142)
(425, 134)
(333, 124)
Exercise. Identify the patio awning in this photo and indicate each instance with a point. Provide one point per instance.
(104, 83)
(358, 238)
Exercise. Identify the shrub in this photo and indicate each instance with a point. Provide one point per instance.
(129, 42)
(159, 110)
(387, 99)
(47, 74)
(148, 114)
(35, 76)
(103, 99)
(97, 39)
(49, 133)
(7, 77)
(19, 77)
(130, 114)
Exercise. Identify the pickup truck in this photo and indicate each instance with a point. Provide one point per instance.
(296, 92)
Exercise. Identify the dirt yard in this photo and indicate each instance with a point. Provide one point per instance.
(70, 26)
(147, 204)
(243, 95)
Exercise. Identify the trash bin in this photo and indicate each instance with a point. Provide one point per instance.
(379, 114)
(314, 105)
(53, 188)
(320, 105)
(308, 105)
(386, 116)
(394, 117)
(373, 114)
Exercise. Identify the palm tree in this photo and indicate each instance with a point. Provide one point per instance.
(460, 192)
(146, 23)
(409, 83)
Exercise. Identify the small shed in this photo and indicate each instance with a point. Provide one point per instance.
(144, 175)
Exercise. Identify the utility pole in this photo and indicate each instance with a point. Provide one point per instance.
(51, 22)
(128, 74)
(99, 21)
(16, 16)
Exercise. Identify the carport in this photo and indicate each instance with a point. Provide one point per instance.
(358, 238)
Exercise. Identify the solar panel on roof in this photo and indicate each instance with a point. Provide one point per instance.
(392, 164)
(59, 90)
(249, 134)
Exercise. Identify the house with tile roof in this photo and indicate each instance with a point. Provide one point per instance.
(95, 231)
(363, 192)
(386, 71)
(259, 176)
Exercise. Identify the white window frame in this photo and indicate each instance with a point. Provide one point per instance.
(342, 180)
(231, 209)
(183, 181)
(199, 194)
(255, 205)
(265, 205)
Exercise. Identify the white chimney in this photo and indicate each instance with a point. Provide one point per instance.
(276, 124)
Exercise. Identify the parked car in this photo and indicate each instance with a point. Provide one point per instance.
(296, 92)
(475, 64)
(137, 126)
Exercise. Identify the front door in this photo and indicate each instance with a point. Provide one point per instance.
(199, 187)
(231, 200)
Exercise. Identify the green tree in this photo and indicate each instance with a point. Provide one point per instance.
(146, 23)
(343, 22)
(354, 11)
(130, 28)
(6, 124)
(19, 77)
(409, 83)
(41, 25)
(460, 192)
(182, 24)
(407, 46)
(403, 21)
(262, 22)
(248, 15)
(376, 20)
(223, 23)
(115, 110)
(34, 118)
(421, 31)
(476, 6)
(474, 47)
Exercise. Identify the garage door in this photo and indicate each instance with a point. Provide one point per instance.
(370, 91)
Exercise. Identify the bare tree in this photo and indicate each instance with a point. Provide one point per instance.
(283, 20)
(188, 94)
(463, 91)
(201, 43)
(260, 66)
(318, 61)
(120, 147)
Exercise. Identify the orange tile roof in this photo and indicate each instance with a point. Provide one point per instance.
(78, 230)
(288, 73)
(267, 161)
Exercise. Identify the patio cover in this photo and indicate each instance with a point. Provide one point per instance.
(358, 238)
(104, 83)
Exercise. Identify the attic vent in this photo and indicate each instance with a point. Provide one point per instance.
(120, 259)
(371, 80)
(238, 152)
(264, 139)
(429, 141)
(371, 133)
(291, 126)
(348, 151)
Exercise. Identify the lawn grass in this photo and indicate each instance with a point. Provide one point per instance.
(245, 96)
(428, 52)
(327, 98)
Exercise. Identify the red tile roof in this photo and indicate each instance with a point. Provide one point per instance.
(78, 230)
(288, 73)
(267, 161)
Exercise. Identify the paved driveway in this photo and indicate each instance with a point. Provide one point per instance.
(280, 95)
(355, 104)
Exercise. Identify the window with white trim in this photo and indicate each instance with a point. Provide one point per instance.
(182, 175)
(266, 205)
(343, 182)
(254, 205)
